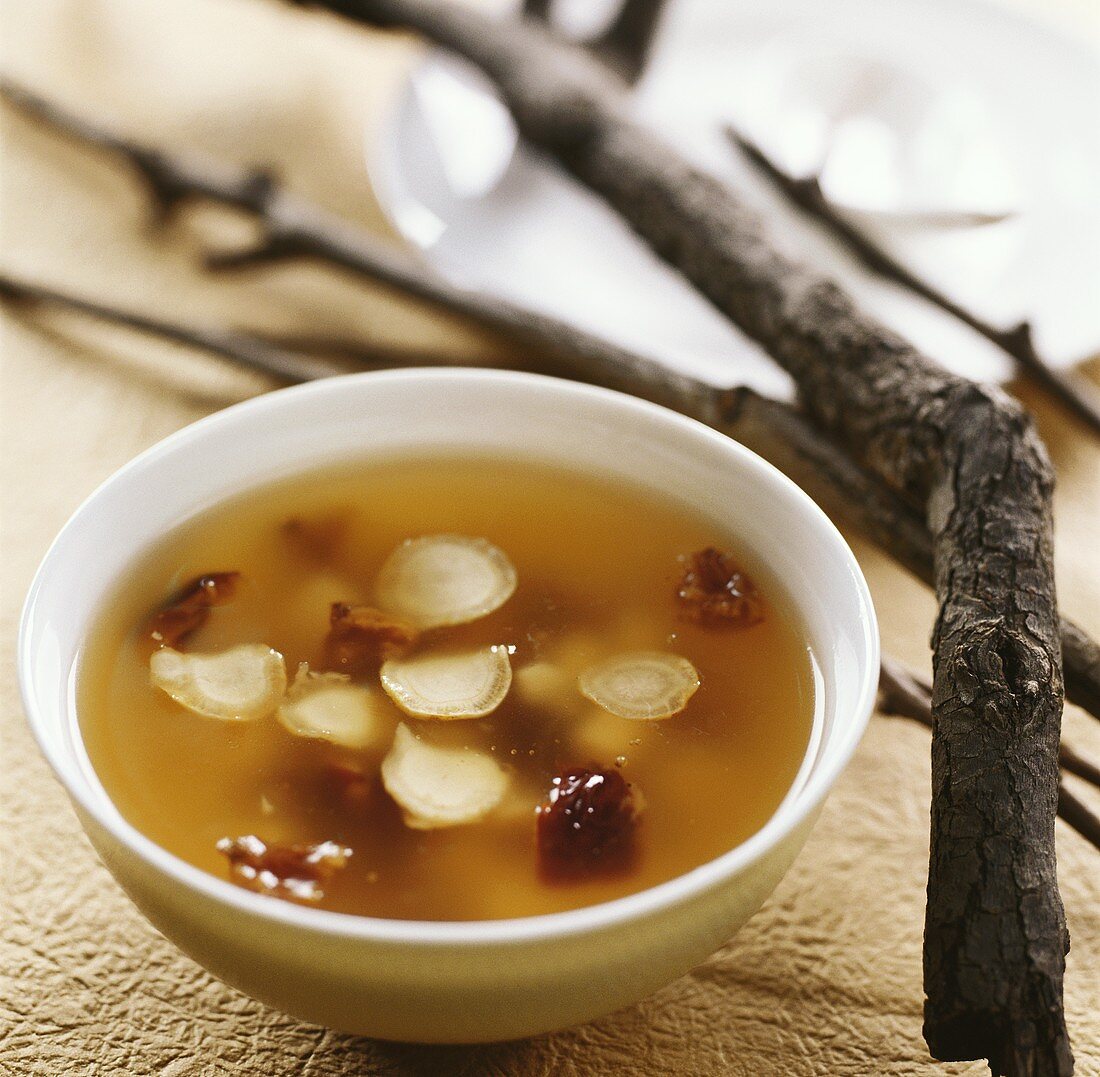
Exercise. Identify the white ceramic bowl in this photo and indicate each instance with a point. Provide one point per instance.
(448, 982)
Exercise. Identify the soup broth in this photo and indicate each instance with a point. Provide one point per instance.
(599, 571)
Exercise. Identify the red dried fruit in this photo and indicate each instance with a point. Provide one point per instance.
(189, 610)
(587, 825)
(715, 592)
(293, 872)
(361, 637)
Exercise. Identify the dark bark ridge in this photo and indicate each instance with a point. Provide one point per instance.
(995, 934)
(906, 694)
(1077, 394)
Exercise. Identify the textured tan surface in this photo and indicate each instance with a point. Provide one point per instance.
(825, 980)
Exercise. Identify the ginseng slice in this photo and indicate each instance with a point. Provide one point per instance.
(641, 684)
(242, 683)
(461, 684)
(440, 787)
(327, 706)
(439, 580)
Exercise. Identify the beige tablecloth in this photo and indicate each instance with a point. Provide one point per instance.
(825, 980)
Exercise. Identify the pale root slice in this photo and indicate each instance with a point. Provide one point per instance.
(240, 684)
(327, 706)
(647, 685)
(458, 684)
(440, 580)
(440, 787)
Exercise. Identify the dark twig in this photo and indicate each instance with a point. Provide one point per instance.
(903, 693)
(1077, 764)
(1075, 393)
(626, 44)
(291, 228)
(853, 494)
(239, 348)
(848, 489)
(537, 9)
(1078, 814)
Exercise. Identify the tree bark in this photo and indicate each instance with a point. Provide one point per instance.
(995, 935)
(1075, 393)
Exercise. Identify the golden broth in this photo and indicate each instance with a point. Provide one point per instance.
(598, 566)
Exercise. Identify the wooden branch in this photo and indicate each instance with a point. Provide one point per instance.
(1074, 392)
(537, 9)
(850, 492)
(908, 695)
(239, 348)
(625, 45)
(296, 229)
(995, 933)
(903, 693)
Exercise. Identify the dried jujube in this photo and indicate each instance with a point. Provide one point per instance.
(587, 825)
(191, 607)
(715, 592)
(361, 637)
(294, 872)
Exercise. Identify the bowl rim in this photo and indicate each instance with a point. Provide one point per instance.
(791, 813)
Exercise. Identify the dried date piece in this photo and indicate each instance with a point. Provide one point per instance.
(293, 872)
(360, 638)
(715, 592)
(587, 826)
(191, 607)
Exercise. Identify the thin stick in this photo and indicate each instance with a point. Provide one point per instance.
(625, 45)
(904, 694)
(292, 228)
(239, 348)
(1076, 393)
